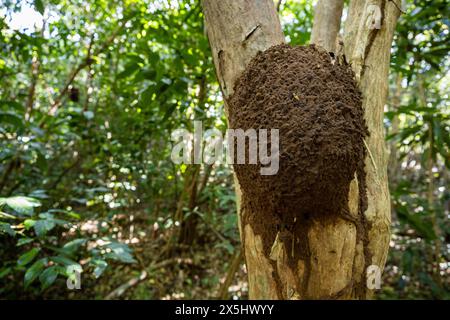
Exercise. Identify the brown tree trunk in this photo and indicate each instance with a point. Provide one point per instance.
(369, 31)
(327, 22)
(237, 30)
(336, 266)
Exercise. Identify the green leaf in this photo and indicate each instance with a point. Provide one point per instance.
(34, 271)
(39, 6)
(41, 227)
(24, 241)
(72, 246)
(11, 118)
(48, 276)
(100, 267)
(29, 223)
(39, 194)
(70, 265)
(6, 228)
(120, 252)
(46, 216)
(227, 245)
(4, 272)
(8, 104)
(41, 162)
(28, 256)
(68, 213)
(128, 71)
(22, 205)
(423, 228)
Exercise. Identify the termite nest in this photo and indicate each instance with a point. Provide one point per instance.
(314, 101)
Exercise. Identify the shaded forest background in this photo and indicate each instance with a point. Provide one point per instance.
(90, 92)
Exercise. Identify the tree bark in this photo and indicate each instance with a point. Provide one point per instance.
(327, 22)
(237, 30)
(369, 31)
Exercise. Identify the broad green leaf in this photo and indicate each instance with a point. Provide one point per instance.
(20, 204)
(41, 227)
(28, 256)
(69, 213)
(29, 223)
(72, 246)
(34, 271)
(39, 5)
(69, 265)
(48, 276)
(24, 241)
(50, 217)
(39, 194)
(120, 252)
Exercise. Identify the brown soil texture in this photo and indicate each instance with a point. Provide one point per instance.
(316, 105)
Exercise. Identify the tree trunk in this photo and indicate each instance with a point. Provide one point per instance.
(237, 30)
(327, 22)
(369, 31)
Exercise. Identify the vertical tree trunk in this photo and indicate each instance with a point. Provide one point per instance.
(327, 22)
(368, 38)
(237, 30)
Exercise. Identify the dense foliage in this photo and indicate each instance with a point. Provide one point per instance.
(90, 92)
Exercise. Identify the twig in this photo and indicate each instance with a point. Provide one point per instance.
(124, 287)
(235, 263)
(279, 5)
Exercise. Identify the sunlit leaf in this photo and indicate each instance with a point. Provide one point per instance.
(20, 204)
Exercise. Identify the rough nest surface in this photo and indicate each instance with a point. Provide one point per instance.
(316, 105)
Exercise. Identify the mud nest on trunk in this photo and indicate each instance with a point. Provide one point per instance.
(314, 102)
